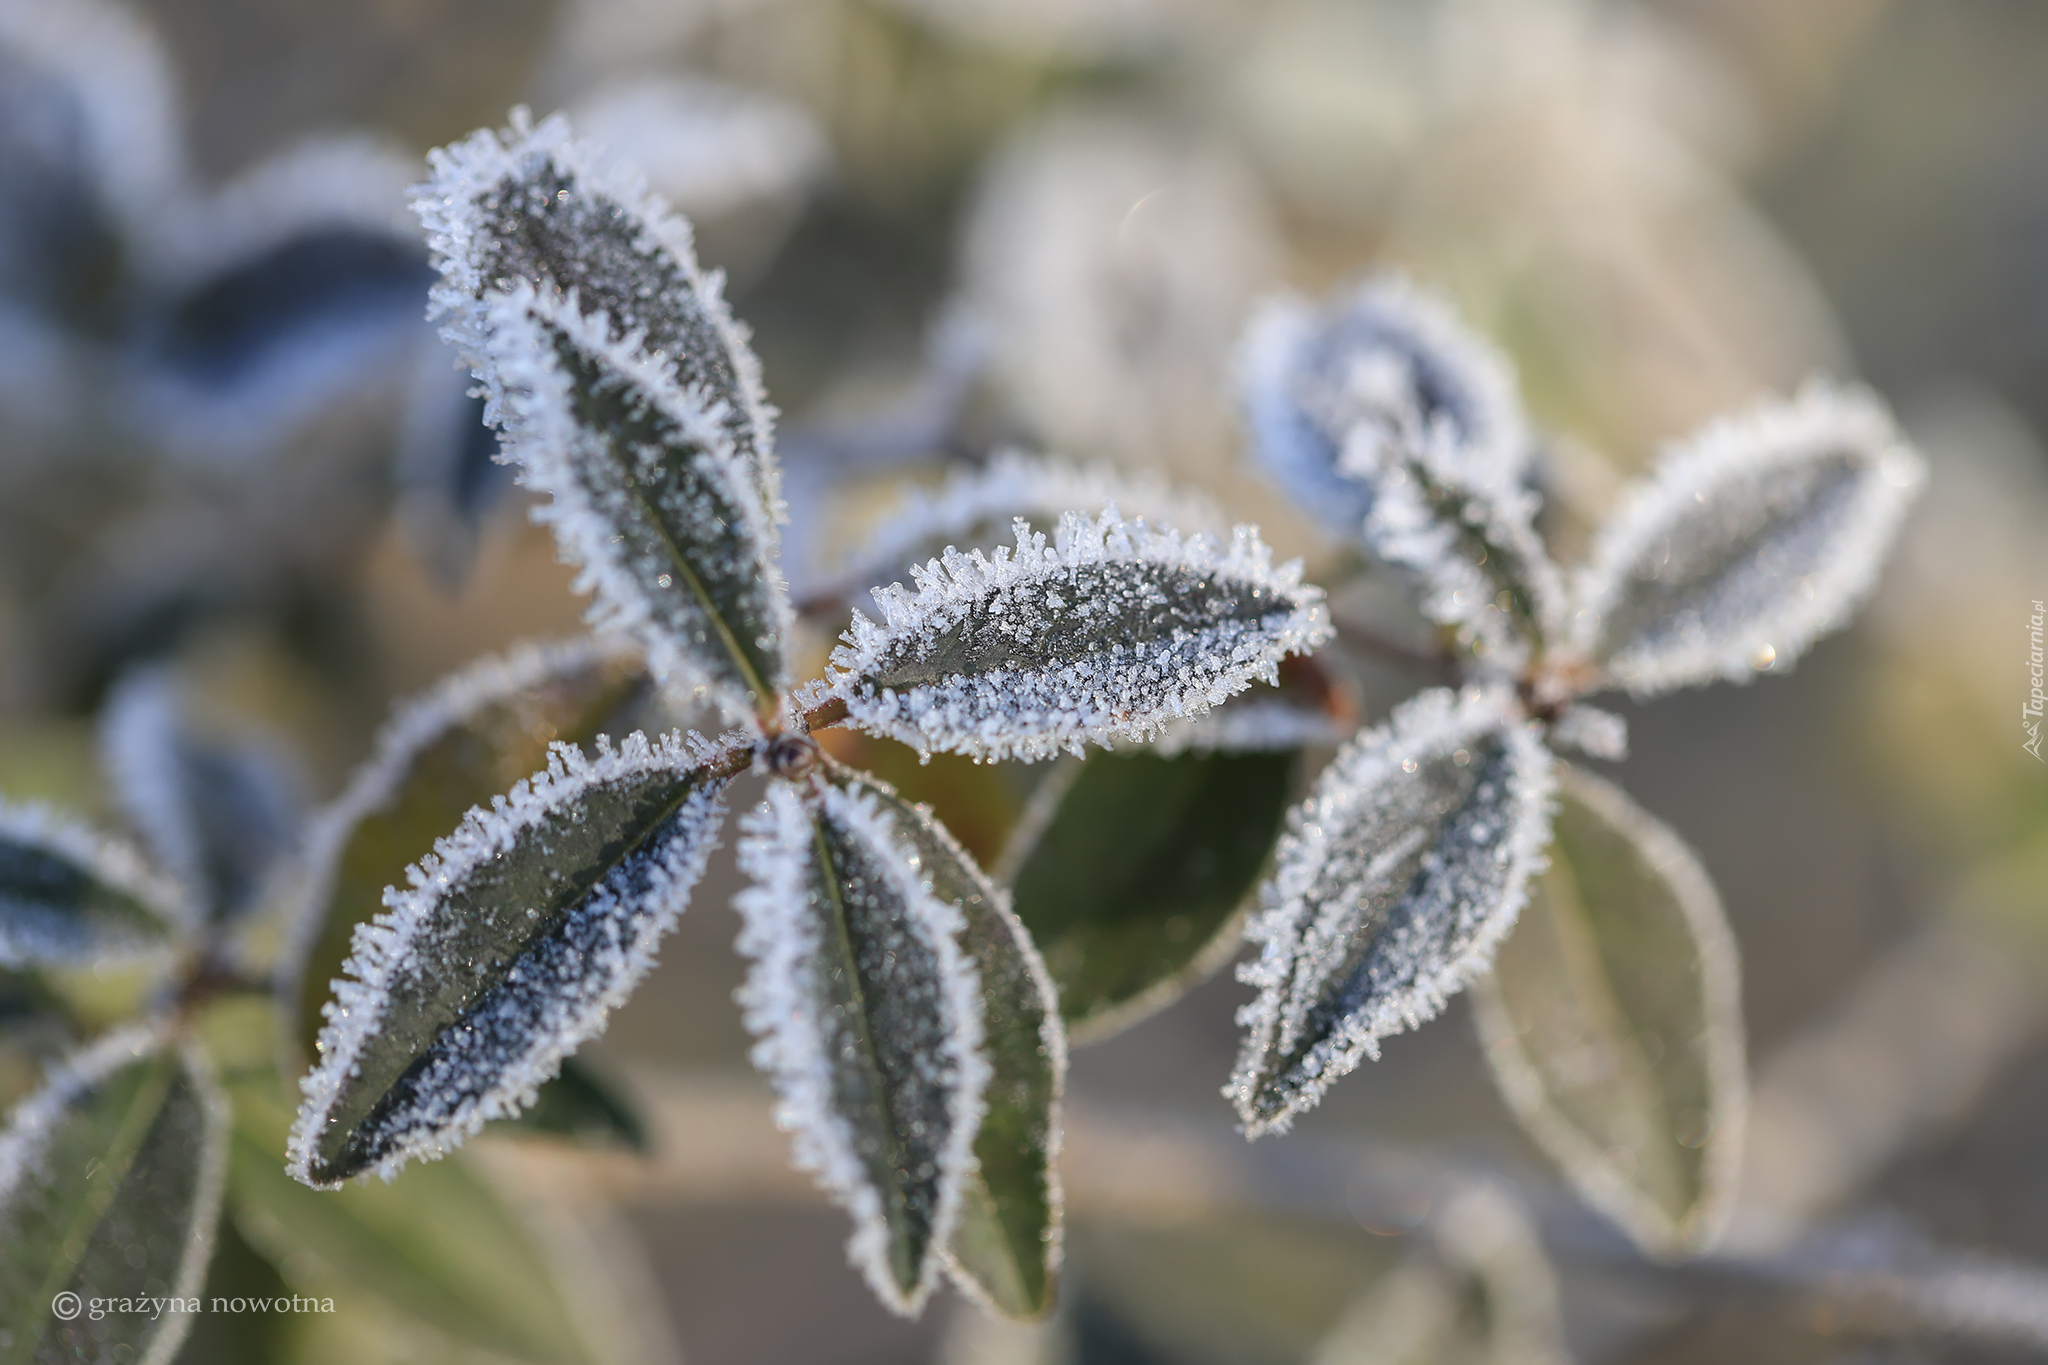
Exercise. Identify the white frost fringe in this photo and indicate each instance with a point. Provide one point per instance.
(1822, 421)
(1034, 714)
(777, 850)
(384, 947)
(1292, 928)
(529, 399)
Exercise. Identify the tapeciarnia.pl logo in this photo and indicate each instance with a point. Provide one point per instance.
(2030, 711)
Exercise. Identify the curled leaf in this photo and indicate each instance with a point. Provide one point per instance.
(462, 743)
(517, 937)
(1755, 537)
(1134, 868)
(110, 1192)
(1613, 1020)
(1369, 382)
(1006, 1249)
(649, 496)
(1112, 630)
(68, 895)
(533, 205)
(1396, 878)
(869, 1017)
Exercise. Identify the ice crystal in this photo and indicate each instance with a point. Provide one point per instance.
(1756, 536)
(512, 944)
(532, 204)
(649, 496)
(1371, 381)
(870, 1023)
(1394, 882)
(975, 509)
(69, 895)
(93, 1201)
(1112, 630)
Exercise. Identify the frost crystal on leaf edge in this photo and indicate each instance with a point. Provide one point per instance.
(776, 851)
(938, 716)
(383, 946)
(1822, 417)
(1430, 721)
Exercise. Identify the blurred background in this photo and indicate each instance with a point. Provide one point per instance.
(228, 439)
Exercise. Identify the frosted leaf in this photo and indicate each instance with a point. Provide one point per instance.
(469, 738)
(110, 1191)
(1613, 1021)
(282, 293)
(1395, 880)
(648, 497)
(1755, 537)
(975, 509)
(1386, 367)
(869, 1017)
(219, 815)
(514, 941)
(1006, 1250)
(69, 896)
(1592, 732)
(533, 205)
(1112, 630)
(707, 147)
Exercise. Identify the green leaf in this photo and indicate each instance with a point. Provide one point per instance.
(238, 1271)
(110, 1189)
(69, 896)
(1134, 868)
(1006, 1249)
(869, 1017)
(513, 944)
(1613, 1021)
(457, 747)
(582, 1105)
(441, 1247)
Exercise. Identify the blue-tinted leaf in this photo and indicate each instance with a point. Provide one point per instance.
(67, 895)
(514, 942)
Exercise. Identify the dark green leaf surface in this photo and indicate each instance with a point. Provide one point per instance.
(1138, 866)
(1613, 1020)
(512, 946)
(470, 739)
(1007, 1244)
(110, 1186)
(67, 896)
